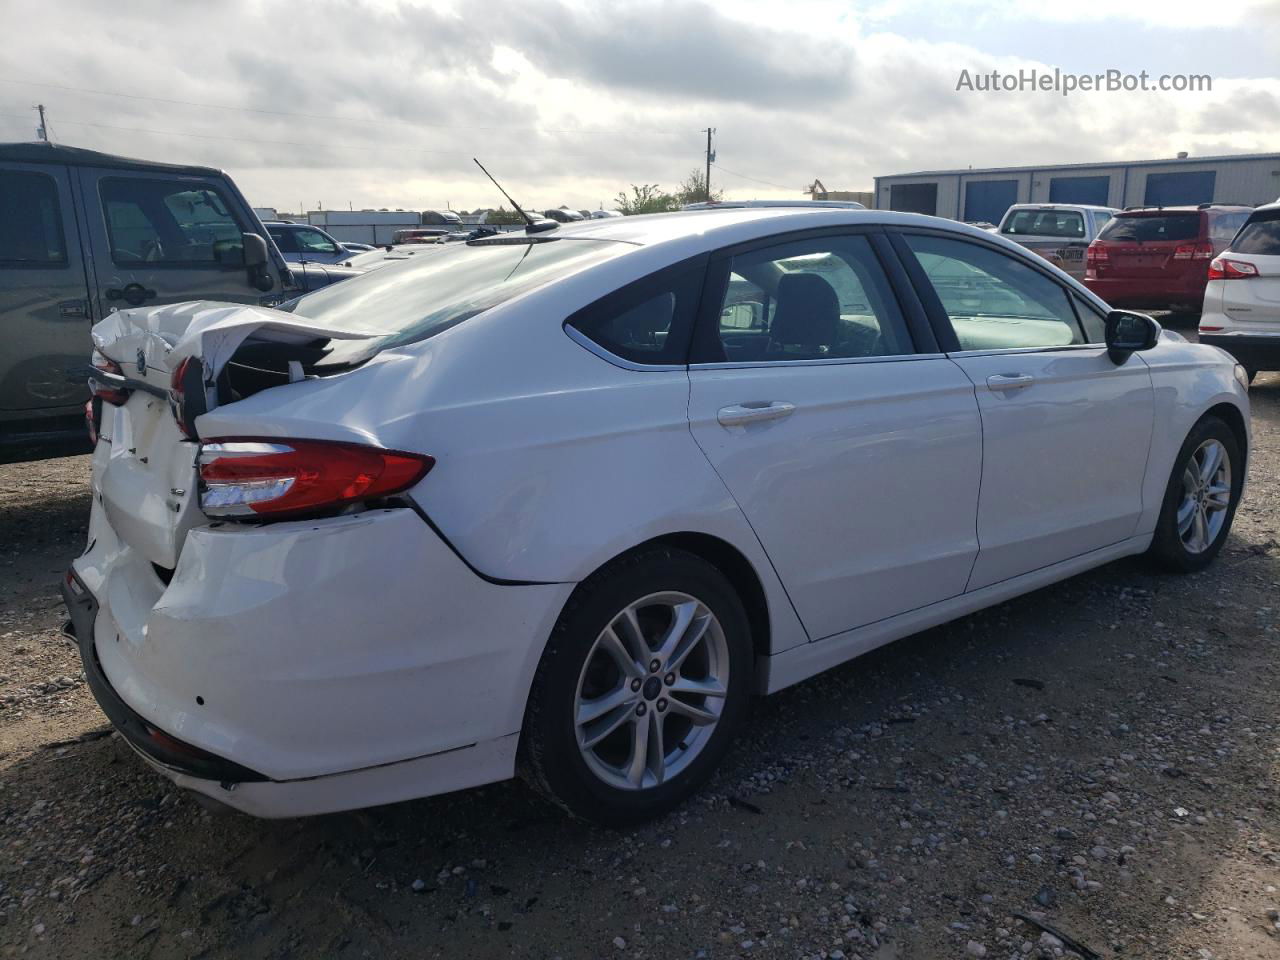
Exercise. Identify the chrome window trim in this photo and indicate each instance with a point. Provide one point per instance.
(1001, 351)
(580, 338)
(828, 362)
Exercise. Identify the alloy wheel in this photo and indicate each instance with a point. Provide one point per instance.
(1206, 496)
(651, 691)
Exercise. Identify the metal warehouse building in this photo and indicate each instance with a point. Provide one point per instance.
(986, 194)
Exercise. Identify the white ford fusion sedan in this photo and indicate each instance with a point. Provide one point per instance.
(562, 502)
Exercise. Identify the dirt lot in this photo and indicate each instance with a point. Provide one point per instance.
(1101, 757)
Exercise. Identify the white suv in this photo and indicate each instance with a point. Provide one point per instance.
(1242, 301)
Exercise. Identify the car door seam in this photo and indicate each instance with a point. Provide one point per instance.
(688, 422)
(982, 454)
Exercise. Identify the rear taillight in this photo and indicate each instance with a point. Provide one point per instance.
(108, 387)
(1193, 251)
(187, 383)
(93, 419)
(1224, 269)
(274, 478)
(1094, 256)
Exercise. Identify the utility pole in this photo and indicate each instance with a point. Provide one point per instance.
(42, 131)
(710, 156)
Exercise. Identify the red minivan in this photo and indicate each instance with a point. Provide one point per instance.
(1157, 258)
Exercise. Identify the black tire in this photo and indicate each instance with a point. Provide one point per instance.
(1167, 547)
(550, 758)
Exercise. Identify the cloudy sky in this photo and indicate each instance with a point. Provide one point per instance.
(384, 102)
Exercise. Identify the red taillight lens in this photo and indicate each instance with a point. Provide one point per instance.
(104, 389)
(267, 477)
(188, 374)
(1193, 251)
(1224, 269)
(92, 421)
(1095, 255)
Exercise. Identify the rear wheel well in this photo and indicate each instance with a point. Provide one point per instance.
(730, 561)
(1230, 415)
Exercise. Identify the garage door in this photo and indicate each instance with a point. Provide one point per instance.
(914, 198)
(989, 199)
(1093, 190)
(1174, 189)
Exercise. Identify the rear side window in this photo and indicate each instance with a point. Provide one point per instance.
(1143, 228)
(168, 223)
(30, 221)
(1100, 218)
(994, 301)
(648, 321)
(284, 239)
(1225, 226)
(1261, 235)
(1067, 224)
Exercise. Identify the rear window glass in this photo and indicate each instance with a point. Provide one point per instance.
(427, 295)
(1147, 228)
(30, 221)
(1261, 235)
(1225, 226)
(1045, 223)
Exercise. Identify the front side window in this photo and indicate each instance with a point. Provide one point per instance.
(313, 241)
(30, 221)
(1261, 235)
(994, 301)
(168, 223)
(824, 298)
(1045, 223)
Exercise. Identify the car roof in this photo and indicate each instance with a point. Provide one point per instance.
(1060, 206)
(739, 204)
(41, 152)
(726, 225)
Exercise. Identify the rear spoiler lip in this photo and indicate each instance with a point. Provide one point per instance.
(120, 380)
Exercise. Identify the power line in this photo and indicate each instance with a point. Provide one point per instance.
(308, 116)
(283, 143)
(767, 183)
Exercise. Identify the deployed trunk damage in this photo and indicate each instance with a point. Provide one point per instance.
(144, 468)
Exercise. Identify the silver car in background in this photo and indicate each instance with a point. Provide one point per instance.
(1059, 232)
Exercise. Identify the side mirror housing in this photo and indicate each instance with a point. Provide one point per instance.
(1129, 332)
(257, 262)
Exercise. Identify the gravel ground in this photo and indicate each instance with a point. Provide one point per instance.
(1100, 758)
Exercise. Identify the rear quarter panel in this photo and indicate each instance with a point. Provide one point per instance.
(550, 461)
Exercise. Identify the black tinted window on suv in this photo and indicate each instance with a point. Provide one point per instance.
(1260, 235)
(1148, 228)
(30, 221)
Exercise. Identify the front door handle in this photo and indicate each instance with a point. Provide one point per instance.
(1010, 381)
(754, 411)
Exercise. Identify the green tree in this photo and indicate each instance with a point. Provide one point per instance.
(693, 189)
(503, 216)
(647, 198)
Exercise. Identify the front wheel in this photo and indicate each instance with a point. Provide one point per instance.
(1201, 498)
(643, 684)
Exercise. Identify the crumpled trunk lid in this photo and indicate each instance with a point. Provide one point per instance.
(144, 466)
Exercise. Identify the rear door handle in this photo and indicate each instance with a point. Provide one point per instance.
(1010, 381)
(754, 411)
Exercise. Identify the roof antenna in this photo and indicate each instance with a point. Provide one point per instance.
(528, 220)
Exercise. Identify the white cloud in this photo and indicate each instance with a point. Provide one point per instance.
(570, 102)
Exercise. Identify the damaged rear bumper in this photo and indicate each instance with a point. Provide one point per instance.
(305, 667)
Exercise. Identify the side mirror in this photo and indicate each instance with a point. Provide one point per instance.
(1128, 333)
(256, 261)
(255, 250)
